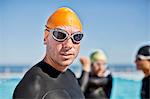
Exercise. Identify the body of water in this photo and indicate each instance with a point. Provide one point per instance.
(126, 85)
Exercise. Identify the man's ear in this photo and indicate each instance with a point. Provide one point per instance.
(46, 33)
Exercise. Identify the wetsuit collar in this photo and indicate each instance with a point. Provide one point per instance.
(48, 69)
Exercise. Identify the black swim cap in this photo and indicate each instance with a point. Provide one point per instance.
(144, 52)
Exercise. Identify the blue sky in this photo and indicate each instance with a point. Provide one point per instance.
(119, 27)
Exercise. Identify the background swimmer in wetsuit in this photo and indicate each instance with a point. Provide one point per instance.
(143, 63)
(97, 82)
(51, 78)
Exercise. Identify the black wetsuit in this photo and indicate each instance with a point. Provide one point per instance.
(95, 87)
(42, 81)
(145, 94)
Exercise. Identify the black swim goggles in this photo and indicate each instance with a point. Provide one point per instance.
(61, 35)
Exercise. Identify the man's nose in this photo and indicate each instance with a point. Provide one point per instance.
(68, 44)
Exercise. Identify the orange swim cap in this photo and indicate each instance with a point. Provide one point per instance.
(64, 17)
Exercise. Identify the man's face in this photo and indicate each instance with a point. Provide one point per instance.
(63, 53)
(142, 64)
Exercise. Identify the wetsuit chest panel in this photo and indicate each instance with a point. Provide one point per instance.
(57, 94)
(65, 85)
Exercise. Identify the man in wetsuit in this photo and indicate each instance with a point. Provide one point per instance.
(97, 82)
(51, 78)
(143, 63)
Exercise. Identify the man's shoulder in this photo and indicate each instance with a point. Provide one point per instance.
(34, 71)
(31, 84)
(70, 72)
(33, 75)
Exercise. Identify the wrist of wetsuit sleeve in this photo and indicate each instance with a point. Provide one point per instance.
(85, 72)
(86, 69)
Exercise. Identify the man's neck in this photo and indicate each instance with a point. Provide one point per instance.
(147, 73)
(54, 65)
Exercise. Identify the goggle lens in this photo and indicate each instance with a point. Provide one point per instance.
(61, 35)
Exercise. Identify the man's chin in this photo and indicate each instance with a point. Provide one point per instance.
(66, 63)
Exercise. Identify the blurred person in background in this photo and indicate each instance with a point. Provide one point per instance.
(143, 63)
(96, 79)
